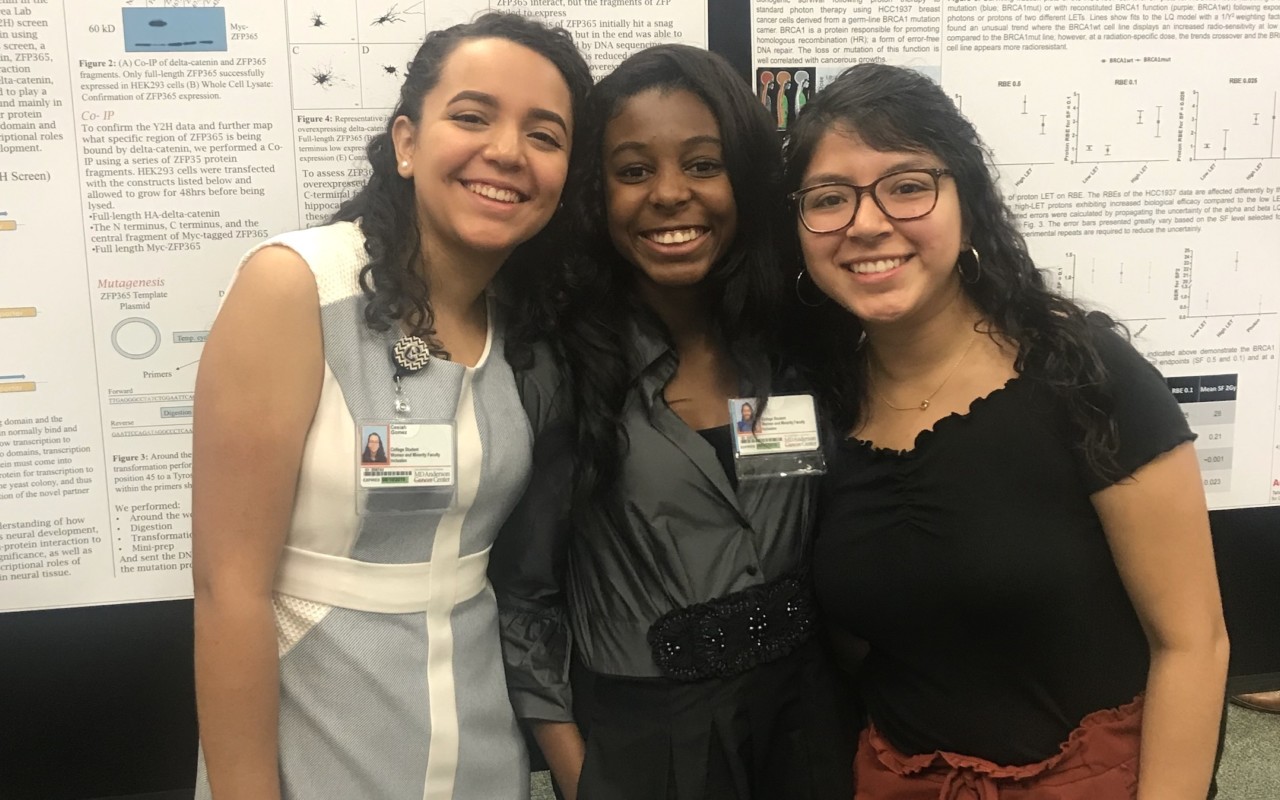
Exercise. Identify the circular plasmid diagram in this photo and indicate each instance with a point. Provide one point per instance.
(135, 337)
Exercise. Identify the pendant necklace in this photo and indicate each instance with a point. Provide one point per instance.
(923, 405)
(409, 354)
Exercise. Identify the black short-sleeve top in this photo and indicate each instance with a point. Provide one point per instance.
(978, 571)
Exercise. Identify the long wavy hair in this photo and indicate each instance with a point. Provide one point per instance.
(898, 109)
(385, 207)
(599, 305)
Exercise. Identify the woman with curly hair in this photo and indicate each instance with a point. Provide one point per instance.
(346, 637)
(674, 589)
(1013, 519)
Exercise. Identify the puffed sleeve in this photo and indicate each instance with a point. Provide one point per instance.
(1148, 420)
(528, 563)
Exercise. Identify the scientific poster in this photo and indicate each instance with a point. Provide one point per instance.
(1138, 145)
(145, 145)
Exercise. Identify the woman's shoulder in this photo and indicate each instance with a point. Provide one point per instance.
(1085, 346)
(334, 254)
(323, 242)
(1116, 352)
(268, 275)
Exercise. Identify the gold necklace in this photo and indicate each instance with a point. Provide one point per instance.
(924, 404)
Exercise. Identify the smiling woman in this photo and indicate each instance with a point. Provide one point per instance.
(1013, 519)
(681, 588)
(671, 209)
(487, 165)
(359, 439)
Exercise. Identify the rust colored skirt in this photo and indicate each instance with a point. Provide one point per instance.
(1099, 761)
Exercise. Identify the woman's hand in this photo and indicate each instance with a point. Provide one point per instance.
(562, 746)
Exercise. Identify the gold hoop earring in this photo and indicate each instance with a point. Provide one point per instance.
(800, 294)
(977, 267)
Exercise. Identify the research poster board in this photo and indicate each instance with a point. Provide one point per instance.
(1137, 144)
(145, 145)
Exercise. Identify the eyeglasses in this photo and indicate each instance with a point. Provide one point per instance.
(904, 195)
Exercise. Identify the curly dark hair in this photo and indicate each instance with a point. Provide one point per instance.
(599, 304)
(898, 109)
(385, 206)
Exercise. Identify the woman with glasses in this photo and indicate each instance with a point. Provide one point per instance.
(1013, 519)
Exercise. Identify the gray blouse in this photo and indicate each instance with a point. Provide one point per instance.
(672, 533)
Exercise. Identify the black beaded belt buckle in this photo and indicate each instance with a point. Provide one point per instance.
(731, 634)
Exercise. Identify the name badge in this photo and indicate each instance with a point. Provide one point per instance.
(789, 425)
(406, 454)
(782, 441)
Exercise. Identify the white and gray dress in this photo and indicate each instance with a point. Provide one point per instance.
(391, 678)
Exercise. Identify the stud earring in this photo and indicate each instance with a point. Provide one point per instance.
(404, 164)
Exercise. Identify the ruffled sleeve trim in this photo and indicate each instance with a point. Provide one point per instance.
(535, 648)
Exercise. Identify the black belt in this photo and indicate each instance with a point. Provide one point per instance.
(731, 634)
